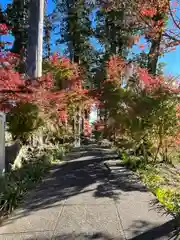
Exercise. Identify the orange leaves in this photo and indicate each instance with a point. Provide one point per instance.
(87, 128)
(10, 80)
(63, 115)
(115, 67)
(148, 11)
(65, 70)
(62, 62)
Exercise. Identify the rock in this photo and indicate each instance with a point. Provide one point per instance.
(11, 153)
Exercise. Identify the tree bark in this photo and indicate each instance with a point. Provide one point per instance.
(153, 55)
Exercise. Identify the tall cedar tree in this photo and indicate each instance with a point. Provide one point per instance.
(17, 20)
(48, 28)
(74, 26)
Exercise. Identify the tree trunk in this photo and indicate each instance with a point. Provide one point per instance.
(35, 39)
(154, 52)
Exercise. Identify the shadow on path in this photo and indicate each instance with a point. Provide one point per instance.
(75, 177)
(168, 230)
(80, 236)
(72, 179)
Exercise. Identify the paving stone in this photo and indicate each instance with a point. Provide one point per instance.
(40, 220)
(89, 219)
(28, 236)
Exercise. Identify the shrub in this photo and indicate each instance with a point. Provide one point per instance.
(170, 198)
(133, 162)
(22, 120)
(58, 152)
(152, 179)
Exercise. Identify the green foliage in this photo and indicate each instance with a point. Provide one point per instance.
(97, 134)
(152, 178)
(132, 162)
(15, 184)
(59, 151)
(17, 14)
(113, 31)
(75, 30)
(148, 119)
(170, 198)
(156, 182)
(23, 120)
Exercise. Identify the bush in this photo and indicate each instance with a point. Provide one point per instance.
(59, 151)
(152, 179)
(170, 198)
(22, 120)
(132, 162)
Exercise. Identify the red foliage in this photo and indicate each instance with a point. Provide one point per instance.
(41, 92)
(3, 29)
(115, 67)
(148, 11)
(63, 116)
(99, 125)
(149, 82)
(87, 128)
(61, 62)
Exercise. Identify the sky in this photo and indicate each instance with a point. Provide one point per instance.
(171, 59)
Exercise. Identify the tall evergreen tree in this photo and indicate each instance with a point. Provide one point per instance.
(114, 28)
(17, 15)
(74, 26)
(48, 27)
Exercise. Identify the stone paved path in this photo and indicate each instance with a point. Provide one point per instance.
(83, 200)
